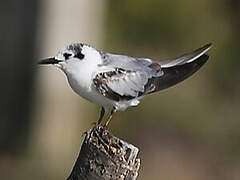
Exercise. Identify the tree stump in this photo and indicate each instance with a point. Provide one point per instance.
(105, 157)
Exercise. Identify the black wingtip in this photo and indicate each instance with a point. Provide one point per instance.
(208, 46)
(204, 48)
(175, 74)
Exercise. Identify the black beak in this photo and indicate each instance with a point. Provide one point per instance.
(49, 61)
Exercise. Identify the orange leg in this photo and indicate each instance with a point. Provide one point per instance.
(110, 117)
(101, 116)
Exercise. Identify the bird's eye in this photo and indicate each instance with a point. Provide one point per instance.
(79, 55)
(67, 55)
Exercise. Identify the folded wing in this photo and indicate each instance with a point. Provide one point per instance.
(134, 77)
(121, 84)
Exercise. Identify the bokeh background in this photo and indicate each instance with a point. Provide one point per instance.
(188, 132)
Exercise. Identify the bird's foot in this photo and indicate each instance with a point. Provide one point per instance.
(97, 125)
(84, 133)
(105, 127)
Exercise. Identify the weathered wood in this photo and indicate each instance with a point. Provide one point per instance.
(104, 157)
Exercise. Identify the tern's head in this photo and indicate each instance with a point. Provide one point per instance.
(70, 55)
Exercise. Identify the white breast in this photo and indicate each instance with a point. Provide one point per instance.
(80, 74)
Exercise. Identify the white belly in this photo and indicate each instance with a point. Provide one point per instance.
(80, 75)
(91, 94)
(88, 91)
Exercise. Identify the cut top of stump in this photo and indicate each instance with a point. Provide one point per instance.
(104, 157)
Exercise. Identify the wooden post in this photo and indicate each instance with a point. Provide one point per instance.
(105, 157)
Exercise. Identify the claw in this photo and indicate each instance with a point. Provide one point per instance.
(84, 133)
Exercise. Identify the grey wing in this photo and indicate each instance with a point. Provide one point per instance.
(133, 77)
(121, 84)
(144, 64)
(127, 62)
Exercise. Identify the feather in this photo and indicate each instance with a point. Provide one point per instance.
(135, 77)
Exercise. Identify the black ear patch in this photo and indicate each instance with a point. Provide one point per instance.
(67, 55)
(79, 55)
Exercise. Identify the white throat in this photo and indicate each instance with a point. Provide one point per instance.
(81, 72)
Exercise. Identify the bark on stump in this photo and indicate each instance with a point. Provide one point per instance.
(104, 157)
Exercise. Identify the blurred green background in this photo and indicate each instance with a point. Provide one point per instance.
(188, 132)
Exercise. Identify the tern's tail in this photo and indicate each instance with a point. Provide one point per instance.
(179, 69)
